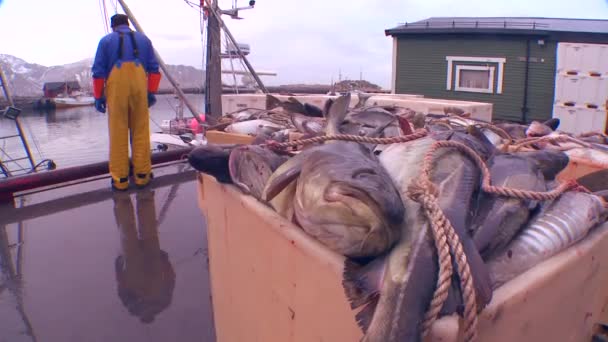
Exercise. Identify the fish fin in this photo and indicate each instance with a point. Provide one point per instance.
(337, 113)
(234, 163)
(362, 283)
(283, 176)
(295, 105)
(376, 132)
(363, 97)
(327, 106)
(552, 123)
(365, 316)
(312, 110)
(272, 102)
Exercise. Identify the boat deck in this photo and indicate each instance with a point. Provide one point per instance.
(83, 263)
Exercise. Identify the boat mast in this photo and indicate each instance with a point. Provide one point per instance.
(213, 69)
(181, 94)
(217, 14)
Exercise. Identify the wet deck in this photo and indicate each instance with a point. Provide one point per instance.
(82, 263)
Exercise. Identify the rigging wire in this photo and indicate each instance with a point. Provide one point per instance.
(101, 4)
(203, 20)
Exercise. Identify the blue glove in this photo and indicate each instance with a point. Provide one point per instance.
(151, 99)
(100, 104)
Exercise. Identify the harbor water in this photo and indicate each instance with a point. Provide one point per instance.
(83, 263)
(77, 136)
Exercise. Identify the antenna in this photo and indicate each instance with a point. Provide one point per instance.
(234, 11)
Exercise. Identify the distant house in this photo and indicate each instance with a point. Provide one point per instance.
(528, 68)
(52, 89)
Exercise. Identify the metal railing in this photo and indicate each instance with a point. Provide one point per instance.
(495, 24)
(9, 165)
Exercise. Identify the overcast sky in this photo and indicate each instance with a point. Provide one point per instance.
(303, 41)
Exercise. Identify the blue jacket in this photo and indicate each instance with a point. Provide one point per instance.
(107, 52)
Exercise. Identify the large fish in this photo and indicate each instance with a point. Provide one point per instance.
(371, 118)
(293, 105)
(539, 129)
(251, 166)
(499, 218)
(516, 131)
(252, 127)
(550, 162)
(397, 289)
(344, 198)
(246, 166)
(567, 220)
(306, 124)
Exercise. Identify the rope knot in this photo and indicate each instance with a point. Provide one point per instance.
(422, 188)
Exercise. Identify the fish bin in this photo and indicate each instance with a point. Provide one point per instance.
(271, 281)
(340, 240)
(479, 110)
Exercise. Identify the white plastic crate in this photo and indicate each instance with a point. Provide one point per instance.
(581, 91)
(584, 59)
(568, 89)
(577, 120)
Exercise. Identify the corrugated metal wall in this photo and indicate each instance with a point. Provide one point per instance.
(422, 69)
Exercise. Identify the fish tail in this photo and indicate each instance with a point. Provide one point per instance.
(272, 102)
(362, 288)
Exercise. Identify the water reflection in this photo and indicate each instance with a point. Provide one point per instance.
(11, 280)
(144, 273)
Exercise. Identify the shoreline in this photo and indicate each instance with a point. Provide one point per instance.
(29, 102)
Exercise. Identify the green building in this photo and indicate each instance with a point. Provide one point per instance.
(513, 63)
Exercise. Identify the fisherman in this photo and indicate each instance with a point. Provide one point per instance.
(125, 72)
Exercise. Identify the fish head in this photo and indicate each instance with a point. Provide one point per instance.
(355, 208)
(538, 129)
(212, 160)
(552, 123)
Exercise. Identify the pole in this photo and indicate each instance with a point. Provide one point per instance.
(221, 22)
(9, 98)
(163, 66)
(7, 92)
(524, 108)
(213, 83)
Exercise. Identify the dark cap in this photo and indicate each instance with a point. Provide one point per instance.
(119, 19)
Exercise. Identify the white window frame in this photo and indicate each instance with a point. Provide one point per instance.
(488, 90)
(480, 60)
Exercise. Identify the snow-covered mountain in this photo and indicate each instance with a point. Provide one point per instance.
(27, 79)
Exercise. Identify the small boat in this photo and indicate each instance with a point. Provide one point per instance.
(73, 101)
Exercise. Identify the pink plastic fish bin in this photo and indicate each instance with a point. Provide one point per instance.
(270, 281)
